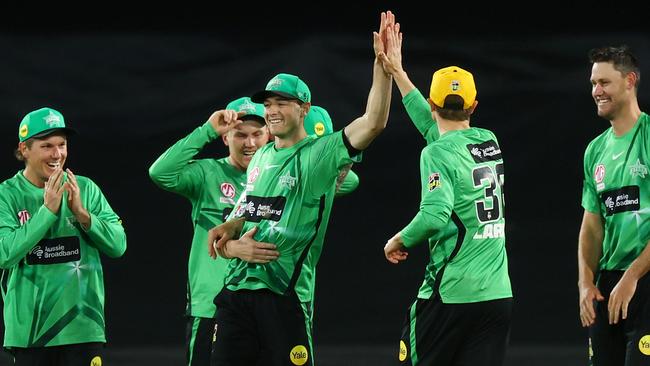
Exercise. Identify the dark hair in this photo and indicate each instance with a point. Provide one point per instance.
(453, 109)
(620, 57)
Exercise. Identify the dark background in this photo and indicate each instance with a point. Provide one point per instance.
(132, 83)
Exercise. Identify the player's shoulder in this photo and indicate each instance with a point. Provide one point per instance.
(9, 185)
(597, 142)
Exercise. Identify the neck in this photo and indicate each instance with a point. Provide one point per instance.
(234, 163)
(624, 121)
(447, 125)
(33, 178)
(290, 140)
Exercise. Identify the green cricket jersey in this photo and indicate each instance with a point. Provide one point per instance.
(461, 214)
(212, 186)
(617, 187)
(52, 278)
(289, 198)
(419, 111)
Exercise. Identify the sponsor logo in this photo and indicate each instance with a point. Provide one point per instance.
(455, 85)
(638, 169)
(228, 190)
(52, 251)
(287, 181)
(23, 131)
(616, 156)
(52, 120)
(644, 344)
(23, 216)
(319, 128)
(403, 351)
(599, 173)
(96, 361)
(621, 200)
(299, 355)
(434, 181)
(252, 176)
(485, 151)
(257, 208)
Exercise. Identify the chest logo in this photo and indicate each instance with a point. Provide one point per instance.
(252, 176)
(287, 181)
(23, 216)
(638, 169)
(228, 190)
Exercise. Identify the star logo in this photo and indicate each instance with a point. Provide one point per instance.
(247, 107)
(287, 181)
(638, 169)
(275, 83)
(52, 120)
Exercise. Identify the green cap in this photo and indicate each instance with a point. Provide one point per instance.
(253, 110)
(286, 86)
(42, 122)
(318, 122)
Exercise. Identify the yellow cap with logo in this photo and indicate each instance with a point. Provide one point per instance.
(452, 80)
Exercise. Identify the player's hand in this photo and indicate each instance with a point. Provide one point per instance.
(74, 200)
(250, 250)
(588, 294)
(379, 38)
(219, 235)
(394, 249)
(620, 297)
(224, 120)
(53, 191)
(391, 58)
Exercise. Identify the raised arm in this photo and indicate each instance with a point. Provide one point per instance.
(364, 129)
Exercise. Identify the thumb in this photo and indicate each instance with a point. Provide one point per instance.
(599, 296)
(250, 233)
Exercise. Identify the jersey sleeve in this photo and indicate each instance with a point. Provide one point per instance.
(419, 111)
(17, 240)
(174, 170)
(590, 201)
(438, 179)
(106, 232)
(329, 155)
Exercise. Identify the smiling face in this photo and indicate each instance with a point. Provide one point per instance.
(285, 117)
(244, 140)
(42, 156)
(611, 89)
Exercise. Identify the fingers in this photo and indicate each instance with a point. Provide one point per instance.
(250, 233)
(212, 250)
(587, 312)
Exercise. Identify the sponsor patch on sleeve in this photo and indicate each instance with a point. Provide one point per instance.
(434, 181)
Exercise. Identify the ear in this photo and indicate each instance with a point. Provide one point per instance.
(473, 107)
(431, 104)
(304, 109)
(631, 79)
(22, 147)
(225, 138)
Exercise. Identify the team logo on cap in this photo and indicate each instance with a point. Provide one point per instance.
(23, 131)
(52, 119)
(247, 107)
(455, 85)
(275, 83)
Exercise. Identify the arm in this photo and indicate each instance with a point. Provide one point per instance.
(589, 251)
(622, 294)
(364, 129)
(170, 171)
(416, 105)
(248, 249)
(105, 228)
(347, 181)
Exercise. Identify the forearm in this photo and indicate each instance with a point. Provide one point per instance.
(379, 97)
(107, 236)
(15, 243)
(403, 82)
(589, 252)
(641, 265)
(423, 226)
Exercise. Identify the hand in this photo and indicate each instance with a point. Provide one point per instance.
(620, 297)
(219, 235)
(379, 38)
(391, 58)
(224, 120)
(588, 293)
(250, 250)
(394, 249)
(53, 191)
(74, 200)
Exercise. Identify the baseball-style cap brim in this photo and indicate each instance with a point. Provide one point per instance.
(260, 97)
(67, 130)
(253, 117)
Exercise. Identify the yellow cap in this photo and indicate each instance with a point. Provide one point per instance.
(453, 80)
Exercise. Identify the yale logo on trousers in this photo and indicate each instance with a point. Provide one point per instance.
(403, 352)
(644, 345)
(298, 355)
